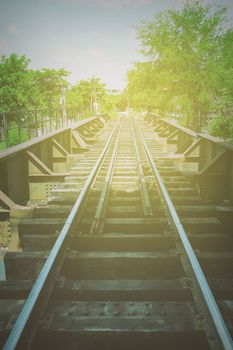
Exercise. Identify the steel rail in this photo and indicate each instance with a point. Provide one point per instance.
(207, 294)
(146, 203)
(22, 324)
(100, 210)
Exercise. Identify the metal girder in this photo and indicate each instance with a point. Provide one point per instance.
(79, 140)
(214, 177)
(59, 147)
(9, 203)
(14, 170)
(39, 164)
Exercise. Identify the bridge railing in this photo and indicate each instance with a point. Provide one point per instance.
(21, 125)
(43, 160)
(207, 159)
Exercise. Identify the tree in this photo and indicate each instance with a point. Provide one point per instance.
(108, 103)
(86, 93)
(74, 100)
(222, 123)
(15, 81)
(145, 89)
(121, 102)
(23, 88)
(49, 84)
(184, 49)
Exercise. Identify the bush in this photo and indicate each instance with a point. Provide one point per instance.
(222, 126)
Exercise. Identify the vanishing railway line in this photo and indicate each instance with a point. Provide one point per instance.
(125, 254)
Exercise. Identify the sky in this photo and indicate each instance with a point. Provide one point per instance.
(86, 37)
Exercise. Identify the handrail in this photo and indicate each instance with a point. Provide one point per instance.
(217, 140)
(178, 127)
(9, 152)
(22, 323)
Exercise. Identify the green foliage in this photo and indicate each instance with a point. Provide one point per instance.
(15, 136)
(86, 94)
(222, 126)
(42, 91)
(108, 104)
(121, 103)
(22, 88)
(114, 103)
(48, 85)
(224, 98)
(15, 82)
(74, 100)
(189, 58)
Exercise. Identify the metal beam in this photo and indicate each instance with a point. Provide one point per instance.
(39, 164)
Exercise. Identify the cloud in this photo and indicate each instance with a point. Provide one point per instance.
(64, 60)
(4, 47)
(15, 32)
(117, 4)
(96, 53)
(12, 29)
(102, 37)
(111, 4)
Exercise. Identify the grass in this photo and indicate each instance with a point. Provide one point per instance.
(14, 138)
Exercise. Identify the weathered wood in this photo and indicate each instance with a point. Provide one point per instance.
(124, 317)
(40, 226)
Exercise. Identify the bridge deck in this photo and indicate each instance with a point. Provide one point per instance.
(122, 248)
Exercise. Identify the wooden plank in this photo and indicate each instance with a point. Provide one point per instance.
(129, 318)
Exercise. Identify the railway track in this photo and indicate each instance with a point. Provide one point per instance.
(125, 255)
